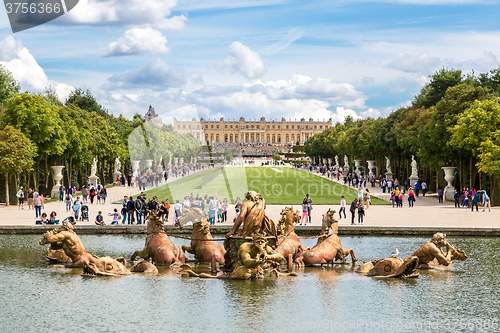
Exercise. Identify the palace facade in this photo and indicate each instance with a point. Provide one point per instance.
(252, 131)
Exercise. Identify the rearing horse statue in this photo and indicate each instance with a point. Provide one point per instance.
(288, 242)
(328, 248)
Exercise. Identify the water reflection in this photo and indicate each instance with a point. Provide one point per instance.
(316, 300)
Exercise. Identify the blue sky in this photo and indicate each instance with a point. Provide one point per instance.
(292, 59)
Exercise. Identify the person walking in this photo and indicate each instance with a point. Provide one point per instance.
(308, 201)
(76, 207)
(367, 199)
(440, 195)
(456, 196)
(342, 207)
(424, 188)
(411, 197)
(475, 201)
(361, 212)
(138, 209)
(20, 197)
(304, 214)
(486, 201)
(30, 197)
(352, 209)
(104, 193)
(37, 203)
(131, 210)
(68, 199)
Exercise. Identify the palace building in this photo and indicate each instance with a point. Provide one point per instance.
(252, 131)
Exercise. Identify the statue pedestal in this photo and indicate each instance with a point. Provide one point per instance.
(389, 175)
(413, 180)
(115, 177)
(93, 180)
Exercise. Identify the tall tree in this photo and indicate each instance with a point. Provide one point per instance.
(9, 87)
(16, 154)
(41, 123)
(433, 91)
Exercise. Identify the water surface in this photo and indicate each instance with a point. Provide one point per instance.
(38, 297)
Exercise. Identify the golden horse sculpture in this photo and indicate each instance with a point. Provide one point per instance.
(202, 244)
(288, 241)
(159, 247)
(328, 247)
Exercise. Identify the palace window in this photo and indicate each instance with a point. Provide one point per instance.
(212, 126)
(286, 126)
(226, 126)
(320, 126)
(273, 128)
(217, 128)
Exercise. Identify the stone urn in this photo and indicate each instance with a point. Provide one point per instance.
(357, 164)
(449, 177)
(135, 167)
(181, 161)
(176, 161)
(371, 166)
(149, 165)
(58, 176)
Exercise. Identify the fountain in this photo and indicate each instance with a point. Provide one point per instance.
(58, 176)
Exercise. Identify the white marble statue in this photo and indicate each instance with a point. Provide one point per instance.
(336, 160)
(160, 166)
(118, 165)
(388, 165)
(346, 162)
(93, 168)
(414, 170)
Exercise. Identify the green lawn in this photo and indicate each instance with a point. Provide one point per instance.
(278, 188)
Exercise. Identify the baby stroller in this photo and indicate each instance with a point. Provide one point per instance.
(85, 213)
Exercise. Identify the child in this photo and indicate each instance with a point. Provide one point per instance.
(42, 220)
(116, 216)
(304, 214)
(124, 213)
(361, 213)
(99, 220)
(52, 218)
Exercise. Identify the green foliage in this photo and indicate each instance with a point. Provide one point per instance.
(16, 151)
(85, 100)
(433, 91)
(276, 157)
(39, 121)
(8, 86)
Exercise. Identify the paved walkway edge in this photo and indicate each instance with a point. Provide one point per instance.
(301, 231)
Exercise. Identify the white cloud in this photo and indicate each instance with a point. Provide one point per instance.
(294, 98)
(243, 60)
(137, 41)
(26, 69)
(151, 13)
(154, 74)
(410, 63)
